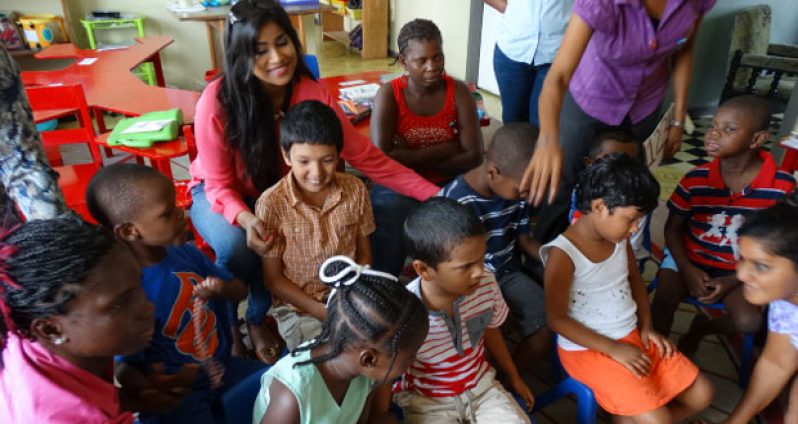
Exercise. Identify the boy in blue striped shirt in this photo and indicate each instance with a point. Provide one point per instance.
(492, 191)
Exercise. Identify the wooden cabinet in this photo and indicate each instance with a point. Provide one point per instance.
(374, 21)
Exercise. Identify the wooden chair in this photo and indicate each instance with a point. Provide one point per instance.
(72, 179)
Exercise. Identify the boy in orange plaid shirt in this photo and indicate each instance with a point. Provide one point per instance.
(316, 213)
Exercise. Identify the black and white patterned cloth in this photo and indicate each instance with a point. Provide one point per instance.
(27, 178)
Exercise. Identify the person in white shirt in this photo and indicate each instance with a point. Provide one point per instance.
(530, 35)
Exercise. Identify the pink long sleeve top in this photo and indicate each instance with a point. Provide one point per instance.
(221, 167)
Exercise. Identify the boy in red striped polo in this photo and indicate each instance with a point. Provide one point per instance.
(706, 210)
(450, 379)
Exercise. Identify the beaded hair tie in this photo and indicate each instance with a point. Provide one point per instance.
(212, 367)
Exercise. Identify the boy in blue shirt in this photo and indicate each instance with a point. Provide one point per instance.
(492, 192)
(191, 295)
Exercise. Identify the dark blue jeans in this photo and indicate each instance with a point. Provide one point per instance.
(519, 86)
(204, 405)
(387, 241)
(229, 242)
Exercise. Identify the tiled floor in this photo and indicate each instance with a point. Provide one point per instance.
(716, 356)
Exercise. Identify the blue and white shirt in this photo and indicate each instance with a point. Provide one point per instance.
(504, 221)
(532, 30)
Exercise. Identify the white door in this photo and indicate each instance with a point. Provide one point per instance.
(491, 20)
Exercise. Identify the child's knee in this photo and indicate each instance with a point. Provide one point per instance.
(700, 393)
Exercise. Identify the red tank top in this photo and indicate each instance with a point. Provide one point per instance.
(424, 131)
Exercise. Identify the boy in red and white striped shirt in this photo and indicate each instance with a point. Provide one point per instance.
(450, 379)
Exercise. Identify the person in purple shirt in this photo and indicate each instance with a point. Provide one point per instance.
(612, 70)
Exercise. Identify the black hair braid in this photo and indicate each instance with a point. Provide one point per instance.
(373, 307)
(418, 29)
(40, 262)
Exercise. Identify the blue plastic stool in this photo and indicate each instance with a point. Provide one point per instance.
(748, 338)
(586, 405)
(313, 64)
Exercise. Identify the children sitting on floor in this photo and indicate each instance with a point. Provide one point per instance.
(373, 329)
(191, 295)
(451, 379)
(768, 270)
(707, 208)
(71, 299)
(491, 191)
(611, 142)
(597, 302)
(316, 213)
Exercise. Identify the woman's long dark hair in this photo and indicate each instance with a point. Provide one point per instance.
(249, 127)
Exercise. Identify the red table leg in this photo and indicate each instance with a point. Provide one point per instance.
(789, 162)
(156, 63)
(163, 165)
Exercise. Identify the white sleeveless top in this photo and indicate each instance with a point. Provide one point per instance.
(601, 297)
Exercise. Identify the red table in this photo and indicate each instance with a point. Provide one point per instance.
(108, 83)
(789, 162)
(333, 86)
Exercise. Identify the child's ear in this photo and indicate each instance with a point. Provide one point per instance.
(286, 158)
(401, 60)
(126, 232)
(760, 138)
(423, 270)
(368, 358)
(597, 205)
(493, 170)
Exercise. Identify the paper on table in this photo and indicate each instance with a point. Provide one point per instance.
(353, 82)
(359, 92)
(791, 142)
(147, 126)
(87, 61)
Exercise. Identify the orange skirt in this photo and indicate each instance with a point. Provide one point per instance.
(617, 390)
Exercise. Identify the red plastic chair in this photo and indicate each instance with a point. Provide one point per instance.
(72, 179)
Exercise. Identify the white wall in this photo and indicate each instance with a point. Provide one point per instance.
(451, 16)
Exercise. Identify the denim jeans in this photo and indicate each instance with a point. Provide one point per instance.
(229, 242)
(387, 241)
(519, 86)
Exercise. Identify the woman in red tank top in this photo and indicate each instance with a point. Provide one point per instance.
(426, 121)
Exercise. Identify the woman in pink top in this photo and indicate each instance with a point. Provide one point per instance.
(612, 70)
(70, 299)
(238, 150)
(425, 120)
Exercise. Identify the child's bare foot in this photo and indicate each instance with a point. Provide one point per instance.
(689, 342)
(267, 345)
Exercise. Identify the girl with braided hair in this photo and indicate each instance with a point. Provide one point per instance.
(71, 299)
(373, 329)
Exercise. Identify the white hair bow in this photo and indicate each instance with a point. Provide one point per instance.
(337, 280)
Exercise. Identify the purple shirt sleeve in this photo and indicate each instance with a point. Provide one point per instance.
(600, 15)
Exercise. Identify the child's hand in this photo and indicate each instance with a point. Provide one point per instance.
(520, 388)
(696, 281)
(160, 392)
(664, 345)
(209, 288)
(632, 358)
(717, 288)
